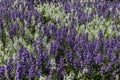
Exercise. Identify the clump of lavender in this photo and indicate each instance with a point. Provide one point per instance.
(92, 16)
(16, 26)
(69, 52)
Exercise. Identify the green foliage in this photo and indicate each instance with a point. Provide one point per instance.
(53, 13)
(96, 25)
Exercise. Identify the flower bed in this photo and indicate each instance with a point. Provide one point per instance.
(59, 40)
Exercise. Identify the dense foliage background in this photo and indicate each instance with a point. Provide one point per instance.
(59, 40)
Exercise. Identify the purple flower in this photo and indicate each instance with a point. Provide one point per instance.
(71, 38)
(110, 53)
(70, 57)
(65, 31)
(54, 48)
(24, 55)
(9, 69)
(32, 72)
(23, 32)
(67, 7)
(54, 29)
(38, 63)
(19, 71)
(46, 31)
(13, 30)
(98, 59)
(88, 58)
(14, 15)
(82, 64)
(40, 47)
(32, 58)
(100, 34)
(59, 73)
(76, 64)
(113, 76)
(2, 72)
(102, 70)
(1, 24)
(109, 67)
(60, 36)
(61, 62)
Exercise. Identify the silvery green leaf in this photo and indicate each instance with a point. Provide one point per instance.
(42, 78)
(53, 12)
(30, 48)
(36, 36)
(71, 76)
(117, 77)
(53, 63)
